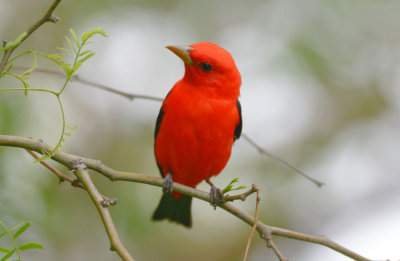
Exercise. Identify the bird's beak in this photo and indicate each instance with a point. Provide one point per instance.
(182, 52)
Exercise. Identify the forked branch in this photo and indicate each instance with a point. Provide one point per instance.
(265, 231)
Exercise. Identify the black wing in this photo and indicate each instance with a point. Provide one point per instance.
(158, 124)
(238, 129)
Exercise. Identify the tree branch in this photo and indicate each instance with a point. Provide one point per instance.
(81, 172)
(47, 17)
(264, 230)
(253, 229)
(61, 176)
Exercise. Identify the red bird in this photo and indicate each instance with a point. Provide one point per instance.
(197, 125)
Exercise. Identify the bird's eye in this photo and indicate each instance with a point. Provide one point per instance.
(206, 67)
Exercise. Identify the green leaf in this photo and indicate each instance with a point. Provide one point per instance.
(34, 66)
(230, 186)
(22, 229)
(70, 43)
(86, 57)
(4, 258)
(2, 234)
(57, 58)
(87, 35)
(71, 128)
(22, 79)
(75, 37)
(5, 250)
(85, 52)
(30, 245)
(81, 61)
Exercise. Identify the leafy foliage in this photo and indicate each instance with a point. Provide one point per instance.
(231, 188)
(20, 229)
(79, 56)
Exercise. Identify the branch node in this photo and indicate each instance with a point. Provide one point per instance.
(106, 202)
(42, 146)
(77, 163)
(99, 164)
(266, 235)
(76, 184)
(53, 19)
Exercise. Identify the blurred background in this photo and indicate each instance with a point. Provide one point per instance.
(320, 89)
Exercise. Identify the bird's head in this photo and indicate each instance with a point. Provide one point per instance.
(210, 67)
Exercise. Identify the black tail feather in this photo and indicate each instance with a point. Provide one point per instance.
(176, 210)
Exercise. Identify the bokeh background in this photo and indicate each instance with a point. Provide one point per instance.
(320, 89)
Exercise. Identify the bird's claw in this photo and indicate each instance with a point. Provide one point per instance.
(216, 197)
(167, 184)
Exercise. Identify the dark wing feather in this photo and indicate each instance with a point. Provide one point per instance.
(238, 129)
(158, 124)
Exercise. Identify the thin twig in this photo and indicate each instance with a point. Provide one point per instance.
(74, 182)
(264, 230)
(79, 79)
(280, 160)
(272, 245)
(61, 176)
(253, 229)
(47, 17)
(82, 174)
(242, 196)
(130, 96)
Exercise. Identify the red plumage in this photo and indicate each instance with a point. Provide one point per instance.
(198, 123)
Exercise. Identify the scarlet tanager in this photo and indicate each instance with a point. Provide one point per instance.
(197, 125)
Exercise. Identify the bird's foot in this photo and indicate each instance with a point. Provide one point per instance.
(216, 197)
(167, 184)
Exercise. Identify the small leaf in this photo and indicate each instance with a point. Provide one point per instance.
(70, 43)
(71, 128)
(22, 79)
(64, 50)
(85, 52)
(30, 245)
(4, 258)
(22, 229)
(76, 67)
(2, 234)
(75, 37)
(34, 66)
(86, 57)
(87, 35)
(5, 250)
(66, 67)
(230, 186)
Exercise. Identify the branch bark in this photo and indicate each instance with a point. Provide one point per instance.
(81, 172)
(266, 232)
